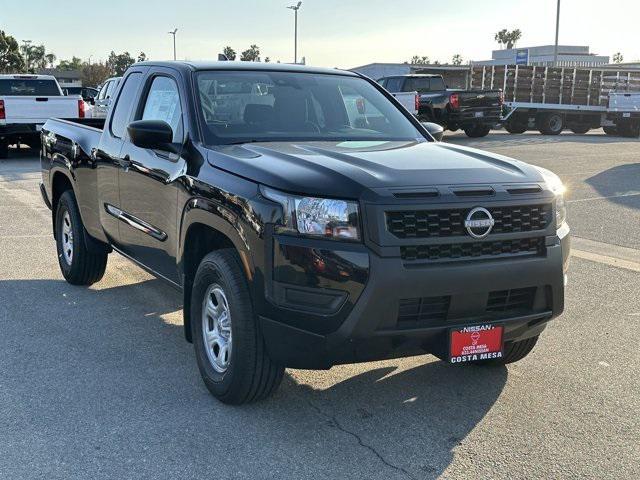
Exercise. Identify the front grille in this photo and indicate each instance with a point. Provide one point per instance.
(420, 312)
(450, 222)
(476, 250)
(511, 301)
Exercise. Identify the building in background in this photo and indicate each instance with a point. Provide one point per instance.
(542, 56)
(66, 78)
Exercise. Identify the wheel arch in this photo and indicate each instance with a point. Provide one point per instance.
(60, 183)
(206, 227)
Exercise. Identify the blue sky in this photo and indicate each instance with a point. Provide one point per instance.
(332, 33)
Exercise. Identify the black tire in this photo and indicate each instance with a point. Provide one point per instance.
(629, 130)
(513, 352)
(611, 131)
(4, 149)
(82, 267)
(580, 129)
(551, 124)
(515, 128)
(477, 131)
(250, 375)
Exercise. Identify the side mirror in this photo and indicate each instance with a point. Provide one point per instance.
(434, 129)
(153, 134)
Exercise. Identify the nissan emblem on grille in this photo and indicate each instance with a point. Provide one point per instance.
(479, 222)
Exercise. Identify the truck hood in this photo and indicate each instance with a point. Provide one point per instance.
(347, 169)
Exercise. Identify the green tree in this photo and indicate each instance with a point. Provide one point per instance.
(618, 57)
(74, 64)
(10, 59)
(508, 38)
(50, 58)
(416, 60)
(142, 57)
(252, 54)
(229, 52)
(456, 59)
(118, 63)
(94, 74)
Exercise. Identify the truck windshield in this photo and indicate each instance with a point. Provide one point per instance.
(29, 87)
(424, 84)
(243, 106)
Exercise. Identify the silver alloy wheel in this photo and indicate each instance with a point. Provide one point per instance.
(216, 328)
(67, 238)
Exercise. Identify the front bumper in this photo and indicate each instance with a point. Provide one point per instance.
(372, 331)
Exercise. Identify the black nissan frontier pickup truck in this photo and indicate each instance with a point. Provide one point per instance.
(309, 220)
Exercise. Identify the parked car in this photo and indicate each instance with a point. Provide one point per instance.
(299, 237)
(26, 102)
(88, 94)
(474, 111)
(103, 99)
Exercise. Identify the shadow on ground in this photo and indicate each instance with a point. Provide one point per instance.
(106, 375)
(621, 183)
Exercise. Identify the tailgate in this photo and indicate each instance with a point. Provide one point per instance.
(22, 109)
(479, 99)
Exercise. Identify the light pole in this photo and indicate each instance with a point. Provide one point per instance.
(25, 47)
(174, 42)
(295, 8)
(555, 50)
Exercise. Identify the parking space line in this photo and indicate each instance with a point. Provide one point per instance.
(590, 199)
(606, 253)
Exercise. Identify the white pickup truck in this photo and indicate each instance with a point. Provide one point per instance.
(26, 103)
(409, 100)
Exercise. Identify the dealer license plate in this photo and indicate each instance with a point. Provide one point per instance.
(479, 114)
(475, 343)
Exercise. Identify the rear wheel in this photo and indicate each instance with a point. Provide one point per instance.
(629, 130)
(580, 129)
(551, 124)
(477, 131)
(227, 338)
(515, 128)
(78, 264)
(4, 149)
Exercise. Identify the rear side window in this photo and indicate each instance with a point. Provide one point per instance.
(163, 103)
(394, 84)
(122, 109)
(27, 87)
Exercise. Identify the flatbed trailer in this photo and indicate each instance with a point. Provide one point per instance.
(551, 99)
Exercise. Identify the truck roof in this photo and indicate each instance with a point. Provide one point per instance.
(26, 76)
(249, 66)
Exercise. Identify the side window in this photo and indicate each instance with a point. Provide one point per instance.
(163, 103)
(110, 89)
(394, 84)
(103, 91)
(122, 108)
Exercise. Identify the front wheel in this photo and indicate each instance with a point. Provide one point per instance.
(78, 264)
(229, 346)
(611, 131)
(477, 131)
(629, 130)
(515, 128)
(580, 129)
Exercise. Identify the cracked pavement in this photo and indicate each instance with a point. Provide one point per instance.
(99, 383)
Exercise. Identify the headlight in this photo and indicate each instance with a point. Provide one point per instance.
(557, 187)
(317, 217)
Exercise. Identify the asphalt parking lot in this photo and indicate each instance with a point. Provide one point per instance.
(99, 382)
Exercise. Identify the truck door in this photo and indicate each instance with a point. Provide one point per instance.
(108, 159)
(148, 191)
